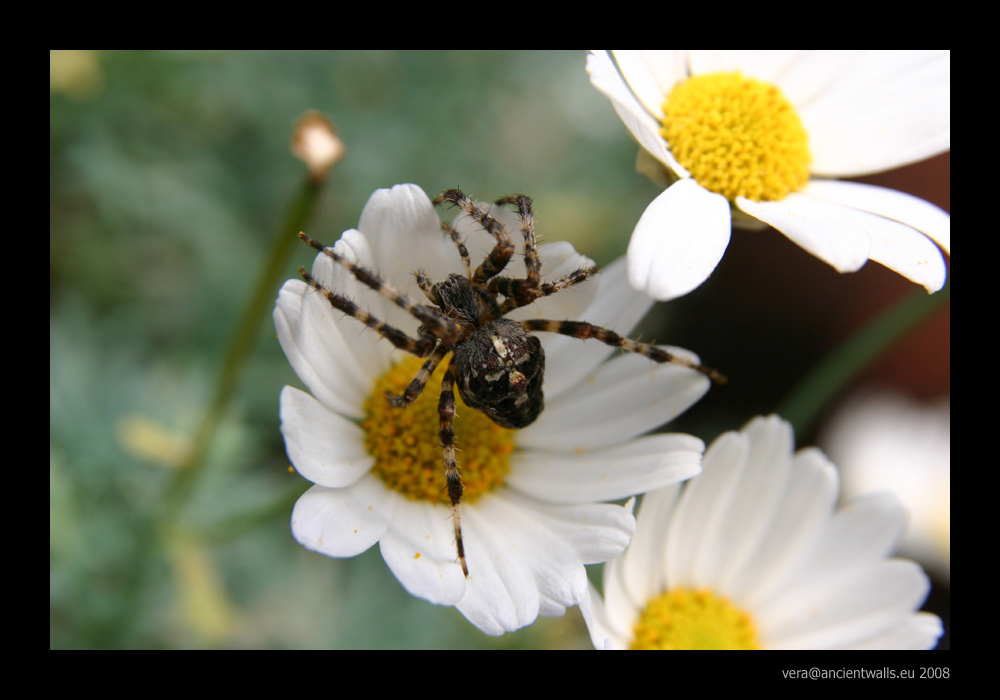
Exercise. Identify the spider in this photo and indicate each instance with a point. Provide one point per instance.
(496, 362)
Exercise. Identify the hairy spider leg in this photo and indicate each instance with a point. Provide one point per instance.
(516, 296)
(446, 412)
(426, 284)
(501, 254)
(584, 330)
(527, 220)
(434, 322)
(462, 250)
(419, 381)
(421, 347)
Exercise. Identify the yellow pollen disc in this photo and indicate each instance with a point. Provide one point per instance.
(405, 444)
(693, 619)
(737, 136)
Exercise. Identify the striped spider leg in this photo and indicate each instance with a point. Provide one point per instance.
(584, 330)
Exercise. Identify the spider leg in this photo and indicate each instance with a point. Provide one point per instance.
(446, 412)
(584, 330)
(517, 295)
(419, 380)
(438, 324)
(425, 284)
(462, 250)
(421, 347)
(527, 219)
(498, 258)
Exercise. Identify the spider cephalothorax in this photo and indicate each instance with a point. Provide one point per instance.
(498, 364)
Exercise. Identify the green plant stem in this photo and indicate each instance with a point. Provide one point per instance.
(806, 402)
(300, 211)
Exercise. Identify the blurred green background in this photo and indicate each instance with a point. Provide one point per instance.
(169, 175)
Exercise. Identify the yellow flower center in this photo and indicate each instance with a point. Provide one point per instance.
(694, 619)
(404, 441)
(737, 136)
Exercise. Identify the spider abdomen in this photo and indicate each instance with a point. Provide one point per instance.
(500, 367)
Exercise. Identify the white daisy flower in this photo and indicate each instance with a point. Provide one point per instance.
(532, 510)
(749, 133)
(885, 441)
(751, 555)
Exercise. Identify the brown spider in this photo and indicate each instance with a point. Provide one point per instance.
(498, 365)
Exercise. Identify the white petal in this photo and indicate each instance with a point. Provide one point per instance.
(642, 80)
(865, 530)
(615, 306)
(595, 532)
(759, 498)
(919, 631)
(847, 610)
(819, 227)
(702, 510)
(604, 76)
(419, 548)
(626, 396)
(892, 204)
(353, 246)
(537, 535)
(643, 564)
(886, 440)
(765, 65)
(669, 67)
(901, 248)
(324, 359)
(810, 74)
(371, 352)
(621, 610)
(324, 447)
(404, 231)
(806, 511)
(598, 624)
(343, 522)
(679, 240)
(643, 464)
(501, 594)
(888, 109)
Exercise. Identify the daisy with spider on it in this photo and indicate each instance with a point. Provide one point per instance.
(753, 138)
(375, 432)
(751, 554)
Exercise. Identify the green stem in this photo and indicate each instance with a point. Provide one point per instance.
(240, 347)
(804, 405)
